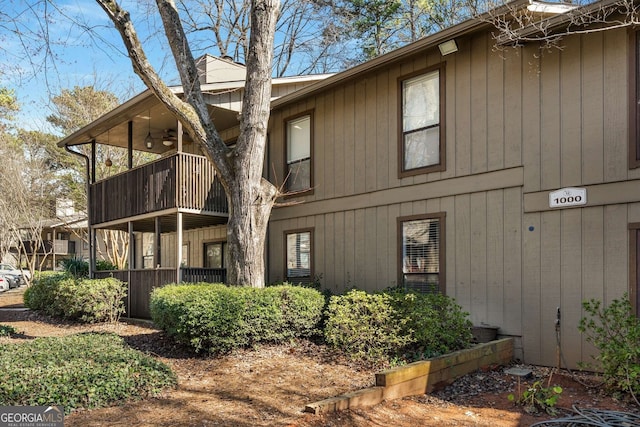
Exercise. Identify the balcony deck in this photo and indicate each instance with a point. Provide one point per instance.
(179, 182)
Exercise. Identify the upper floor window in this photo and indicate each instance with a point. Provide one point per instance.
(299, 148)
(422, 116)
(298, 256)
(421, 250)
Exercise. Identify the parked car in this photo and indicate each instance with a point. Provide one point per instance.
(4, 284)
(11, 272)
(13, 280)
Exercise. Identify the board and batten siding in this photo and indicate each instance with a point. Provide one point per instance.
(195, 239)
(356, 123)
(358, 246)
(520, 123)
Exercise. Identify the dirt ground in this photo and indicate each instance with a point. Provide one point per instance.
(271, 385)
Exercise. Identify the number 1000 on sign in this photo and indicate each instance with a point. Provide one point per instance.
(568, 197)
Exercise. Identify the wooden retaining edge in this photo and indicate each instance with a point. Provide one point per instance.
(420, 377)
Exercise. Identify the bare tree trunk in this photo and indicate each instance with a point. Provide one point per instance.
(246, 234)
(250, 197)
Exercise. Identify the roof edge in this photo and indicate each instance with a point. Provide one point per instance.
(463, 28)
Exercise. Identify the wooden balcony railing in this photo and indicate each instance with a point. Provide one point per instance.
(57, 247)
(180, 181)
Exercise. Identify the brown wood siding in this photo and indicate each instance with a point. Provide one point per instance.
(556, 117)
(358, 247)
(195, 238)
(570, 256)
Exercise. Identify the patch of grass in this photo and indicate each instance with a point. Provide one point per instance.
(78, 371)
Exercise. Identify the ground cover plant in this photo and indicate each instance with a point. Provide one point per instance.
(7, 330)
(78, 371)
(217, 318)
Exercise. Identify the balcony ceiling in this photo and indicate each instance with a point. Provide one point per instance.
(168, 223)
(146, 114)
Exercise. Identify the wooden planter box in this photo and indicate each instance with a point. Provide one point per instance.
(420, 377)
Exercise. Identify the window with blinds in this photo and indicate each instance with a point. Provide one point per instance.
(421, 254)
(299, 255)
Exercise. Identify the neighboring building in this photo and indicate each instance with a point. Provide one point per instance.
(63, 236)
(509, 180)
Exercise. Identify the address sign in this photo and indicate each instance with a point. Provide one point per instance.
(569, 196)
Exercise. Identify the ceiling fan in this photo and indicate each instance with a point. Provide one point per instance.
(169, 137)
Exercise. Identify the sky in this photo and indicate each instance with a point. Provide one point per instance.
(83, 49)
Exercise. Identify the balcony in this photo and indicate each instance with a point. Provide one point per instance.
(179, 182)
(55, 247)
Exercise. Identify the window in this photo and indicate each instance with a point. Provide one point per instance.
(184, 262)
(421, 252)
(299, 148)
(421, 133)
(298, 256)
(214, 255)
(147, 250)
(634, 119)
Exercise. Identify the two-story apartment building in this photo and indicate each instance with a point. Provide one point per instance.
(506, 179)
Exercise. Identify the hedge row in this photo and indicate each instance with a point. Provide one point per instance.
(88, 300)
(216, 318)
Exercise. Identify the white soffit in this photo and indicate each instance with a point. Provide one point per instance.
(552, 8)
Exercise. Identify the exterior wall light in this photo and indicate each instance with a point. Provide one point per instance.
(450, 46)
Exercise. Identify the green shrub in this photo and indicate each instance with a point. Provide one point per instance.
(365, 326)
(391, 324)
(88, 300)
(41, 295)
(78, 371)
(77, 267)
(435, 322)
(615, 332)
(92, 300)
(217, 318)
(7, 330)
(104, 265)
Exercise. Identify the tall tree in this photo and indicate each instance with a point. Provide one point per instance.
(29, 187)
(77, 107)
(223, 26)
(249, 195)
(8, 106)
(378, 26)
(73, 109)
